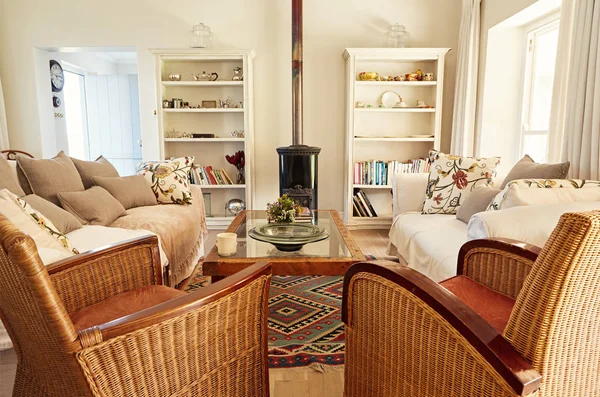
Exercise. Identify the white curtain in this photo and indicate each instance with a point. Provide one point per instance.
(3, 127)
(575, 120)
(465, 93)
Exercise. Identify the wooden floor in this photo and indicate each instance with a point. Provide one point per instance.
(283, 383)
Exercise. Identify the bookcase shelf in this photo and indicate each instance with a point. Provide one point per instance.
(393, 125)
(218, 121)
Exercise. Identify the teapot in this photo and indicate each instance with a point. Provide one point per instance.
(205, 76)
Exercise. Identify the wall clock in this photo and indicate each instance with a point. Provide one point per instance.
(57, 76)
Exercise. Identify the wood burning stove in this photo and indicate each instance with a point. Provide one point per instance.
(298, 163)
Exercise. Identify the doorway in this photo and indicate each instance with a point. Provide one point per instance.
(101, 107)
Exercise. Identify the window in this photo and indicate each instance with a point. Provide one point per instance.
(76, 115)
(542, 42)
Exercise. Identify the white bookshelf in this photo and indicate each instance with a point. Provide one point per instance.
(375, 133)
(218, 121)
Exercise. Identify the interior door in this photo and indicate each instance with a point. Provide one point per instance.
(114, 120)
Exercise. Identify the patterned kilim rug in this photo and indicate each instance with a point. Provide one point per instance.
(305, 320)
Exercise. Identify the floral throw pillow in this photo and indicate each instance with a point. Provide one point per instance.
(46, 225)
(169, 179)
(453, 178)
(535, 192)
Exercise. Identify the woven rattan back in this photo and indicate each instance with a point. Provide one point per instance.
(555, 323)
(36, 320)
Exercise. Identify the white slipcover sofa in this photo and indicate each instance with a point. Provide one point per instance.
(430, 243)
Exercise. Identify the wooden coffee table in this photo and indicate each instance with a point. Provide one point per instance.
(328, 257)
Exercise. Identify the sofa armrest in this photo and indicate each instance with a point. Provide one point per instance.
(408, 192)
(196, 342)
(408, 334)
(96, 275)
(501, 264)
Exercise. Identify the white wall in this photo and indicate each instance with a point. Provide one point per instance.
(264, 25)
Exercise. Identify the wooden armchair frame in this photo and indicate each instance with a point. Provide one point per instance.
(404, 300)
(211, 341)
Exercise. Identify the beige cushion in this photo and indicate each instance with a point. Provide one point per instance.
(169, 179)
(47, 177)
(131, 191)
(453, 178)
(478, 201)
(526, 168)
(64, 221)
(8, 179)
(40, 229)
(94, 206)
(89, 169)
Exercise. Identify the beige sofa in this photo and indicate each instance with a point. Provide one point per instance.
(181, 230)
(430, 243)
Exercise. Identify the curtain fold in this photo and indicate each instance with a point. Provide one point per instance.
(575, 119)
(3, 126)
(465, 93)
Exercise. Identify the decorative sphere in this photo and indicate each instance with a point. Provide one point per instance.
(235, 206)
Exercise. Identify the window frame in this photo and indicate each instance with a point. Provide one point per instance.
(541, 25)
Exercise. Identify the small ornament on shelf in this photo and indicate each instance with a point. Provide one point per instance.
(237, 134)
(238, 160)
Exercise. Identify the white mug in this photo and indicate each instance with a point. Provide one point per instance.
(226, 244)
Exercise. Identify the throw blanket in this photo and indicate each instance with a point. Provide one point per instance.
(181, 228)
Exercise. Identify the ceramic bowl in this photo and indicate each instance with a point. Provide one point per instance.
(174, 77)
(368, 76)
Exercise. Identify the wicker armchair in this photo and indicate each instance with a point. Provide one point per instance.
(408, 336)
(212, 342)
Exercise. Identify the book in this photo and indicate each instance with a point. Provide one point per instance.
(364, 205)
(361, 210)
(369, 205)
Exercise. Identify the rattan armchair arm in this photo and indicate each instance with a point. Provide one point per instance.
(501, 264)
(96, 275)
(438, 345)
(210, 342)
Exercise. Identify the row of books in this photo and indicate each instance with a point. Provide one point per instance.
(377, 172)
(362, 205)
(207, 176)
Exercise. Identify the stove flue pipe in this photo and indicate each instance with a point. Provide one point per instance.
(297, 131)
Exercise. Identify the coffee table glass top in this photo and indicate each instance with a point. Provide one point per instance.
(332, 247)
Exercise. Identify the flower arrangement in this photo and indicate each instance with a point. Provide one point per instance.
(238, 160)
(284, 210)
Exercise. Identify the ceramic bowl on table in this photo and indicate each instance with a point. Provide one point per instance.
(289, 237)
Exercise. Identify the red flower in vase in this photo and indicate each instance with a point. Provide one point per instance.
(238, 160)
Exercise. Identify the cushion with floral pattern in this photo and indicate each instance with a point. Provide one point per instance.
(169, 179)
(545, 191)
(453, 178)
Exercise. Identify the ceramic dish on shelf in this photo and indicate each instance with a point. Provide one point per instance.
(288, 236)
(389, 99)
(368, 76)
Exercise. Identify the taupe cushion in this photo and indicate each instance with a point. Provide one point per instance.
(94, 206)
(131, 191)
(47, 177)
(89, 169)
(8, 179)
(64, 221)
(478, 201)
(526, 168)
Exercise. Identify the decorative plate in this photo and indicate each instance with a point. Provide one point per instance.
(389, 99)
(288, 236)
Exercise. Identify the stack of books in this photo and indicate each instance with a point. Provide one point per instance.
(305, 216)
(207, 176)
(362, 205)
(377, 172)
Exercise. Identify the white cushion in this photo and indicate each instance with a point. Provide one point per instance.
(531, 224)
(90, 237)
(428, 243)
(26, 223)
(409, 192)
(545, 191)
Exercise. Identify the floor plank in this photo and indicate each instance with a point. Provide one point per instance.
(283, 383)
